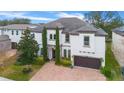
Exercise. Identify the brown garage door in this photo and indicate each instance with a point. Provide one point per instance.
(87, 62)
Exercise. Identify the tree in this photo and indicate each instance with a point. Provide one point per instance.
(15, 21)
(28, 48)
(57, 50)
(20, 21)
(44, 40)
(107, 20)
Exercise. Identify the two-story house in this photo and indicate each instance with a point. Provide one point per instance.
(80, 41)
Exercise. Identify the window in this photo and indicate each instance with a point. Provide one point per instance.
(50, 36)
(67, 38)
(69, 54)
(65, 53)
(12, 32)
(54, 37)
(17, 32)
(86, 41)
(41, 52)
(33, 35)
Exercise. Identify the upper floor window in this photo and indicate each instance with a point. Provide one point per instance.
(67, 38)
(51, 36)
(54, 36)
(17, 32)
(12, 32)
(86, 41)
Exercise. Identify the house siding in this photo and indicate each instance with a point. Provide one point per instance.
(118, 47)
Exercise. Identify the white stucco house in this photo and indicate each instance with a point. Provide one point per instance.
(79, 40)
(118, 45)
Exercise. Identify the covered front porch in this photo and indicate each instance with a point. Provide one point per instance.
(51, 52)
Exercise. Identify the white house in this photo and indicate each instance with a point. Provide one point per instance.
(118, 45)
(79, 40)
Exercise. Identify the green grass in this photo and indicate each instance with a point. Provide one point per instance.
(112, 64)
(14, 72)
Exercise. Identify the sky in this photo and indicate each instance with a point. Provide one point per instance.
(44, 16)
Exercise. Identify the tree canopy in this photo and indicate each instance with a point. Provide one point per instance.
(28, 48)
(107, 20)
(15, 21)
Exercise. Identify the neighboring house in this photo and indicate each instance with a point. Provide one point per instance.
(14, 31)
(118, 45)
(5, 43)
(80, 41)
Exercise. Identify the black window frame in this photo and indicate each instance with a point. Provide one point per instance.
(65, 53)
(69, 53)
(51, 36)
(86, 41)
(17, 32)
(54, 36)
(12, 32)
(67, 38)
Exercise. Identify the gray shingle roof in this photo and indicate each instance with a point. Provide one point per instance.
(119, 30)
(69, 25)
(74, 25)
(18, 26)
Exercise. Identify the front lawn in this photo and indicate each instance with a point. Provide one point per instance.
(15, 72)
(112, 67)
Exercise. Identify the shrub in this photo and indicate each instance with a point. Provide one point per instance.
(27, 69)
(18, 63)
(66, 62)
(107, 72)
(39, 61)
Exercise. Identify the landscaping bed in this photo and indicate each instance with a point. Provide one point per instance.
(20, 72)
(65, 62)
(112, 68)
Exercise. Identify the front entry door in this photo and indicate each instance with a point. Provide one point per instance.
(53, 53)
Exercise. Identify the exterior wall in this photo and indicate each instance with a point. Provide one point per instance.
(118, 47)
(66, 48)
(53, 31)
(52, 43)
(38, 38)
(5, 45)
(63, 41)
(14, 37)
(96, 49)
(100, 48)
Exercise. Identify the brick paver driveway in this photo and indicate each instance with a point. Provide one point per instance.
(52, 72)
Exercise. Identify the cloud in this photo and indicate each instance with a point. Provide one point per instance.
(63, 14)
(23, 15)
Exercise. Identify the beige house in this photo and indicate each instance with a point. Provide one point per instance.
(5, 43)
(118, 45)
